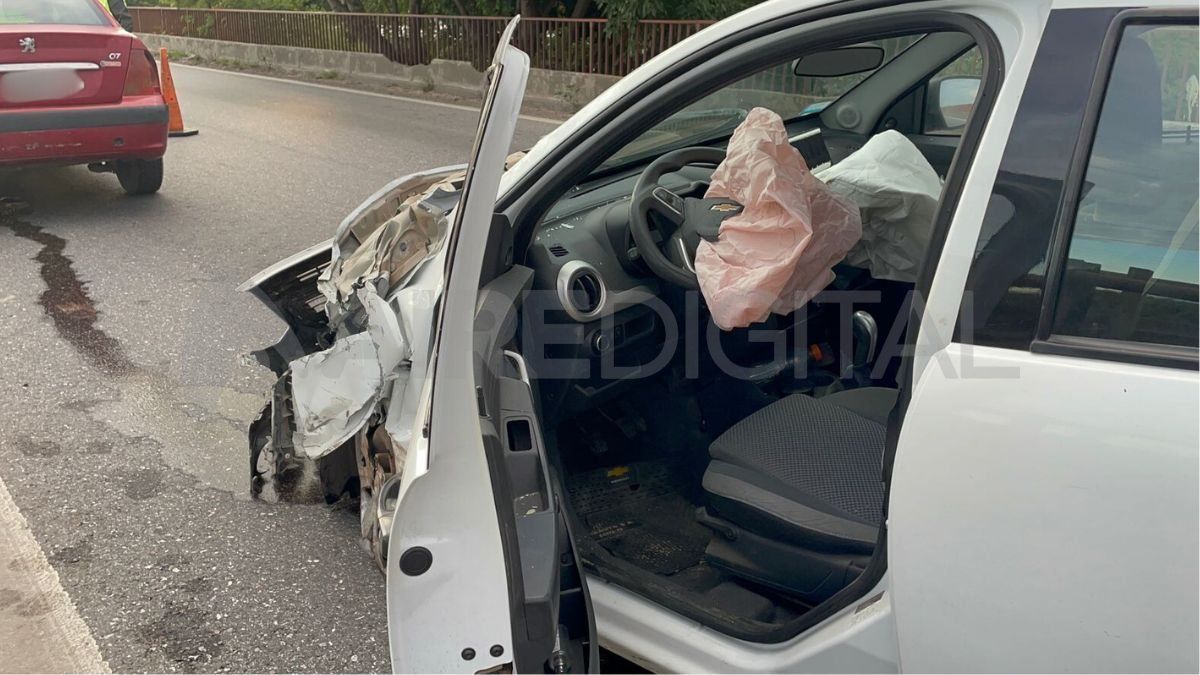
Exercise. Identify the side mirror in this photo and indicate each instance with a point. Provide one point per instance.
(949, 101)
(839, 62)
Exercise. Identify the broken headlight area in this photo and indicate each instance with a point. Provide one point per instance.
(358, 310)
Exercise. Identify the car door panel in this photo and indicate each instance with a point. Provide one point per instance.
(478, 555)
(1032, 527)
(447, 583)
(1042, 509)
(552, 614)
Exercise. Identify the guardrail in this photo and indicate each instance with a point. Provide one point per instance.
(577, 45)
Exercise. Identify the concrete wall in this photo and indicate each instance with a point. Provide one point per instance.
(548, 89)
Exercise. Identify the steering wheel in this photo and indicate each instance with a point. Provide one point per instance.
(692, 219)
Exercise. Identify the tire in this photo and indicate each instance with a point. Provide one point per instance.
(140, 176)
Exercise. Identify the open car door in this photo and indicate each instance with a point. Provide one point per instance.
(482, 575)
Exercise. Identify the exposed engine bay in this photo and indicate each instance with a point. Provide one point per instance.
(345, 360)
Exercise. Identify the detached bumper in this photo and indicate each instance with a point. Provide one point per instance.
(81, 135)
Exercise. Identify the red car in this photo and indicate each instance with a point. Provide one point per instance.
(76, 88)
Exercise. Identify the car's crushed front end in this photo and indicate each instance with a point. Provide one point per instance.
(359, 310)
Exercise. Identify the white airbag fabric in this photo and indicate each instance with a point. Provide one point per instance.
(896, 191)
(778, 252)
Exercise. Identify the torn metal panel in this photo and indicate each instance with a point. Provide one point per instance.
(380, 466)
(288, 288)
(387, 202)
(335, 391)
(388, 256)
(353, 362)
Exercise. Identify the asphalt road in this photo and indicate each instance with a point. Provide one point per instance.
(125, 391)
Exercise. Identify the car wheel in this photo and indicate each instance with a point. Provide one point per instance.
(140, 176)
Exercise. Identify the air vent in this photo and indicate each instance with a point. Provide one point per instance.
(581, 290)
(586, 294)
(558, 250)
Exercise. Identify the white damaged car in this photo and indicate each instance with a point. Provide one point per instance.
(841, 336)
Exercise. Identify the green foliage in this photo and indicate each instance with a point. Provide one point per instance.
(1176, 50)
(622, 12)
(472, 7)
(234, 4)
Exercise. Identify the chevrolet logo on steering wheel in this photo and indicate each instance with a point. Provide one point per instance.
(725, 207)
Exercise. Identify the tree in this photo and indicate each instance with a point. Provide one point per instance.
(620, 11)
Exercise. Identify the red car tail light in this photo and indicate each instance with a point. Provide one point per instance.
(142, 77)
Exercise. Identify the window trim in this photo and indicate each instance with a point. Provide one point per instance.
(1045, 341)
(1119, 351)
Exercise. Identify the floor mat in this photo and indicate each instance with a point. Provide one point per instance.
(641, 513)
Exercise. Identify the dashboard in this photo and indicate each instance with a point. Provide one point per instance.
(584, 252)
(598, 318)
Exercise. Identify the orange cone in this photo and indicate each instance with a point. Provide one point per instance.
(174, 116)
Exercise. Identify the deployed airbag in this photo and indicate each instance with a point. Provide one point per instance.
(779, 251)
(896, 191)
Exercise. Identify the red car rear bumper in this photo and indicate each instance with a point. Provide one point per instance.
(82, 135)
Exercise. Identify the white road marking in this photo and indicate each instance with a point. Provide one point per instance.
(40, 629)
(406, 99)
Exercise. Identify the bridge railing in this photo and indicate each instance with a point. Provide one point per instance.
(577, 45)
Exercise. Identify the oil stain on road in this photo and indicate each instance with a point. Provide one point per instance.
(66, 300)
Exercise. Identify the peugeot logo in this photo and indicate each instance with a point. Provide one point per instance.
(28, 46)
(725, 207)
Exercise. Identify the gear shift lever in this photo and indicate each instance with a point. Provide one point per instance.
(865, 334)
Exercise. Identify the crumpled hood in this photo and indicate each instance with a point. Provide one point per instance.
(348, 344)
(359, 310)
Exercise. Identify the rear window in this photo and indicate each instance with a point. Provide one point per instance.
(62, 12)
(1133, 268)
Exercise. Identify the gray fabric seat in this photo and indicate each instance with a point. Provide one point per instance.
(806, 471)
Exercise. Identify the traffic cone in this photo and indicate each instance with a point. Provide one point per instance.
(174, 116)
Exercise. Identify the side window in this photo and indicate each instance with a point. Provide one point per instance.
(1003, 296)
(1132, 265)
(951, 93)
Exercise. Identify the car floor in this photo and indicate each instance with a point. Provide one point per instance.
(641, 512)
(634, 486)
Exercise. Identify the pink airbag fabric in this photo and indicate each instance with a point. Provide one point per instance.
(778, 252)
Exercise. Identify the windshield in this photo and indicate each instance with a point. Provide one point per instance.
(63, 12)
(777, 88)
